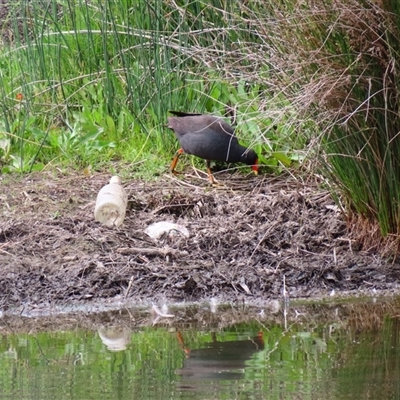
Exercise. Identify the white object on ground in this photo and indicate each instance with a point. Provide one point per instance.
(158, 229)
(111, 204)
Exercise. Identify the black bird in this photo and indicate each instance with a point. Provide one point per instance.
(210, 138)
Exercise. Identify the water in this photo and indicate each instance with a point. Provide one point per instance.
(325, 351)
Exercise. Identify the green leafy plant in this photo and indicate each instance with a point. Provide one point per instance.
(98, 79)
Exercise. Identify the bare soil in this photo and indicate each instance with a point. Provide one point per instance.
(249, 238)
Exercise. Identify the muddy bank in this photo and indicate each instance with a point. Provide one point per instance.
(359, 316)
(245, 238)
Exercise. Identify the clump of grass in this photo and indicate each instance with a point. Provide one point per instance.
(97, 80)
(337, 63)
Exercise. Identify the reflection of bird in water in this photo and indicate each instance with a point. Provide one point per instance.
(219, 360)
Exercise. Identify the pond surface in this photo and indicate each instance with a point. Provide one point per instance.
(319, 351)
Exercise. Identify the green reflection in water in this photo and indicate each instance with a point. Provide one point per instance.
(346, 352)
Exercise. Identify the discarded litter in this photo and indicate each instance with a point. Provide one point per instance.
(158, 229)
(111, 204)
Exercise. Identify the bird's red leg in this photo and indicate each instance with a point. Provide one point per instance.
(175, 160)
(210, 175)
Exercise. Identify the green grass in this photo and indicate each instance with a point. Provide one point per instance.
(98, 78)
(337, 64)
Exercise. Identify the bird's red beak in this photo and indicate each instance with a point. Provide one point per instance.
(255, 168)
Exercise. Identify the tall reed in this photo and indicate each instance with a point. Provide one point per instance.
(338, 63)
(114, 68)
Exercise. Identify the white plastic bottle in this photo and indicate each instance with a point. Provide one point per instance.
(111, 204)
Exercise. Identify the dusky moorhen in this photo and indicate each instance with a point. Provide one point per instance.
(210, 138)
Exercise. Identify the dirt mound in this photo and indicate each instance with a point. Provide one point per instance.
(247, 238)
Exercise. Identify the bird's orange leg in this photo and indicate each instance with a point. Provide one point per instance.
(210, 175)
(175, 160)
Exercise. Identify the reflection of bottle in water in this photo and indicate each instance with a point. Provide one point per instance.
(111, 203)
